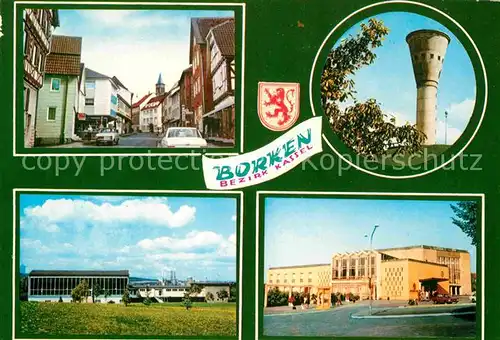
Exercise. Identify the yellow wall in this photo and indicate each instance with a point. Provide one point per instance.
(418, 271)
(312, 276)
(432, 255)
(394, 280)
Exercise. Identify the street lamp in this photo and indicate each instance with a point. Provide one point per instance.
(369, 266)
(446, 127)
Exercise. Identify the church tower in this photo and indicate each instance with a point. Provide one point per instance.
(160, 87)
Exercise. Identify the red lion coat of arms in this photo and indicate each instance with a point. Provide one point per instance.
(278, 105)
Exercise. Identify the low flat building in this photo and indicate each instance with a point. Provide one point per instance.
(395, 273)
(53, 285)
(173, 293)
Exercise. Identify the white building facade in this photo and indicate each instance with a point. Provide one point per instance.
(101, 100)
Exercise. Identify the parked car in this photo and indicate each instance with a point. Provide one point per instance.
(472, 298)
(444, 298)
(107, 136)
(183, 137)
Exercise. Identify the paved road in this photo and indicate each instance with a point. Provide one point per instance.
(138, 140)
(337, 322)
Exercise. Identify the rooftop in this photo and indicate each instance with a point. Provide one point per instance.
(303, 266)
(140, 101)
(426, 247)
(65, 55)
(224, 37)
(79, 273)
(93, 74)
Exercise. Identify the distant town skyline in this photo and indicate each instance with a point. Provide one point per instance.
(301, 231)
(194, 236)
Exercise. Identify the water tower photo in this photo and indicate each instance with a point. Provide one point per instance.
(398, 88)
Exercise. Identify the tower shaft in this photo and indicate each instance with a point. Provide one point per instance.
(428, 50)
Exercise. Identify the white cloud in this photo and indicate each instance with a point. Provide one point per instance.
(452, 133)
(233, 218)
(130, 19)
(232, 239)
(34, 244)
(151, 210)
(137, 64)
(460, 113)
(192, 240)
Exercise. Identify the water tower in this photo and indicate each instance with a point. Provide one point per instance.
(428, 49)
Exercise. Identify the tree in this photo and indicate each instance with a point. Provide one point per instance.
(466, 218)
(209, 296)
(363, 127)
(275, 297)
(80, 292)
(23, 285)
(233, 293)
(222, 294)
(106, 294)
(194, 289)
(96, 292)
(126, 297)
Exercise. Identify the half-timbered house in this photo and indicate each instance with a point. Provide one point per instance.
(38, 27)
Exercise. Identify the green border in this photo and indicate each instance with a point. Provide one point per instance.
(332, 196)
(466, 136)
(16, 260)
(21, 150)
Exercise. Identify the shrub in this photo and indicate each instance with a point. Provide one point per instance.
(111, 301)
(275, 297)
(411, 302)
(187, 303)
(147, 301)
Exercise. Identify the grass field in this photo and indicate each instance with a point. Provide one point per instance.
(167, 319)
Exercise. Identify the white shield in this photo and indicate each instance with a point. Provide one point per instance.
(278, 105)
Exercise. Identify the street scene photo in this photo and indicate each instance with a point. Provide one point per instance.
(129, 78)
(398, 88)
(346, 267)
(127, 266)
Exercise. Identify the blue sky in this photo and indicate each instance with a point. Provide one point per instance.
(390, 78)
(147, 235)
(309, 230)
(134, 45)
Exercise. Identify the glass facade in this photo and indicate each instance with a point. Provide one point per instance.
(63, 285)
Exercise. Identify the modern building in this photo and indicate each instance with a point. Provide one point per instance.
(427, 50)
(172, 293)
(396, 273)
(172, 109)
(136, 111)
(201, 77)
(151, 114)
(38, 27)
(59, 98)
(219, 123)
(53, 285)
(101, 100)
(187, 114)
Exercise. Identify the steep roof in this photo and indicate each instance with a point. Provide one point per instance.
(93, 74)
(160, 81)
(65, 55)
(224, 37)
(200, 28)
(80, 273)
(118, 82)
(140, 101)
(154, 102)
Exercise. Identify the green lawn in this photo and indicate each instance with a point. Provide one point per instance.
(167, 319)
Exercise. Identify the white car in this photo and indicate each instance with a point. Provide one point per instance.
(107, 136)
(183, 137)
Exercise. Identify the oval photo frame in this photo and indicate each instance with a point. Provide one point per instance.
(472, 127)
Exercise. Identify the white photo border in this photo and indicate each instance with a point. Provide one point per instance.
(204, 193)
(241, 117)
(369, 195)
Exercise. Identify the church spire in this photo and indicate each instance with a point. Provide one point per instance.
(160, 86)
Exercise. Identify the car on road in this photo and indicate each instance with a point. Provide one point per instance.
(183, 137)
(444, 298)
(472, 298)
(107, 136)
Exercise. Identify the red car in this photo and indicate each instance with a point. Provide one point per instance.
(444, 298)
